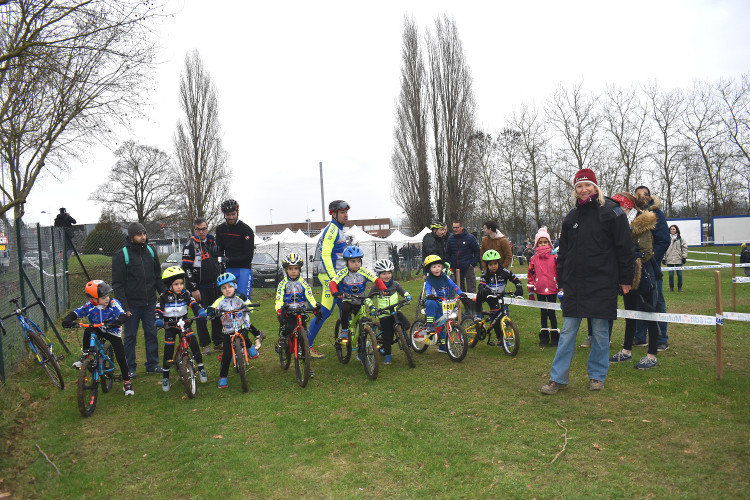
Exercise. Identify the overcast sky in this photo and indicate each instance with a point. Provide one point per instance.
(306, 82)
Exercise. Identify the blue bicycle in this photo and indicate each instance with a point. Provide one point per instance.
(97, 367)
(38, 343)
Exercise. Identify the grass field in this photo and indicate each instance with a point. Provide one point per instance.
(476, 429)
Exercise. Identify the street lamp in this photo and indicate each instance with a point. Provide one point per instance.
(270, 215)
(308, 220)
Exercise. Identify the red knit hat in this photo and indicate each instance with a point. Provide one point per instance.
(585, 175)
(625, 200)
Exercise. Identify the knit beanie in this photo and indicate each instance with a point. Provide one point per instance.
(585, 175)
(626, 200)
(542, 233)
(135, 229)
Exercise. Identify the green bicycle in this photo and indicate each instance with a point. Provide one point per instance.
(362, 333)
(478, 330)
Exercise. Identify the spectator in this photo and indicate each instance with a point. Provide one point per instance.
(462, 251)
(675, 256)
(136, 280)
(434, 242)
(495, 240)
(596, 255)
(542, 281)
(66, 221)
(745, 257)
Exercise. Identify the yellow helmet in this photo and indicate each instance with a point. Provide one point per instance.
(432, 259)
(171, 274)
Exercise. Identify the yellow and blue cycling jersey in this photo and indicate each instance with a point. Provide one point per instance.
(332, 244)
(235, 320)
(354, 283)
(294, 293)
(441, 286)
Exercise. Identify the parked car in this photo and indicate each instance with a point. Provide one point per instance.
(174, 259)
(31, 258)
(266, 271)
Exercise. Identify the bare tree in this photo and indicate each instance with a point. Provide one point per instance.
(735, 116)
(483, 154)
(453, 110)
(533, 138)
(510, 190)
(411, 174)
(201, 158)
(141, 184)
(69, 70)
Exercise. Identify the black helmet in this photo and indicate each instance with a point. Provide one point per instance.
(230, 205)
(336, 205)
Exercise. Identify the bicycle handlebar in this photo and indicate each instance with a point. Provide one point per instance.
(22, 310)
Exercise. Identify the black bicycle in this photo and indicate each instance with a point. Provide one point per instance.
(399, 333)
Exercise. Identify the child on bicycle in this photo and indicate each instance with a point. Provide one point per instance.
(493, 282)
(293, 291)
(102, 309)
(384, 269)
(437, 288)
(542, 282)
(352, 280)
(231, 300)
(173, 306)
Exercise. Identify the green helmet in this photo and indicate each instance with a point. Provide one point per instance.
(490, 255)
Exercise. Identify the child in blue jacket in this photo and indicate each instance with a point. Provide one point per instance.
(438, 287)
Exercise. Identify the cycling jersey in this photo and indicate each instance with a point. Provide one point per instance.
(239, 319)
(496, 282)
(295, 293)
(100, 314)
(237, 242)
(331, 245)
(200, 263)
(441, 286)
(171, 307)
(355, 283)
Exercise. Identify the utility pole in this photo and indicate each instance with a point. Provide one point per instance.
(322, 196)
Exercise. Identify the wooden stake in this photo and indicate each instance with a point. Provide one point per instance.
(719, 328)
(734, 285)
(458, 304)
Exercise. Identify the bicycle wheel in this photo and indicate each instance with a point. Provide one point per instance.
(343, 351)
(405, 346)
(88, 387)
(511, 340)
(187, 374)
(302, 358)
(239, 356)
(108, 368)
(419, 314)
(47, 359)
(368, 350)
(456, 343)
(285, 353)
(417, 343)
(473, 331)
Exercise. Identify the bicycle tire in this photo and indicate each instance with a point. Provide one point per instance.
(473, 331)
(511, 340)
(343, 351)
(187, 374)
(107, 373)
(47, 359)
(418, 314)
(405, 346)
(88, 387)
(285, 354)
(241, 367)
(368, 349)
(302, 358)
(456, 343)
(417, 345)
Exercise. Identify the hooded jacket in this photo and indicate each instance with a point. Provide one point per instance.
(500, 243)
(433, 245)
(677, 251)
(641, 233)
(660, 232)
(462, 250)
(138, 283)
(596, 254)
(199, 260)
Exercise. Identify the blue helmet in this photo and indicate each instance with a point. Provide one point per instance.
(226, 278)
(353, 252)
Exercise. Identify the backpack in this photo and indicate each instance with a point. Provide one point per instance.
(127, 259)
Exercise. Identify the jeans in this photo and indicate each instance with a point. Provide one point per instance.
(661, 306)
(145, 315)
(671, 278)
(598, 363)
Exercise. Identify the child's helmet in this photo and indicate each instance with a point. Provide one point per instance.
(337, 205)
(432, 259)
(226, 278)
(229, 205)
(353, 252)
(97, 289)
(171, 274)
(292, 259)
(437, 225)
(490, 255)
(383, 265)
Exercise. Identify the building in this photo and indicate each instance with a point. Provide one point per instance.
(376, 227)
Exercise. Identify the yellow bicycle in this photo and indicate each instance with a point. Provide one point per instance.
(479, 329)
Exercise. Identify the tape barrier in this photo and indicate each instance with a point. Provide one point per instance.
(691, 268)
(742, 279)
(709, 253)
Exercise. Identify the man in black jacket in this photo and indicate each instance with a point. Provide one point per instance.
(434, 243)
(66, 221)
(200, 262)
(136, 280)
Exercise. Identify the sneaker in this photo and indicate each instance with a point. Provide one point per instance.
(671, 289)
(640, 343)
(552, 387)
(165, 384)
(662, 347)
(442, 348)
(223, 383)
(388, 359)
(620, 357)
(252, 352)
(78, 363)
(315, 354)
(587, 342)
(259, 339)
(156, 369)
(596, 385)
(207, 350)
(645, 363)
(218, 348)
(679, 290)
(127, 388)
(344, 336)
(203, 376)
(131, 374)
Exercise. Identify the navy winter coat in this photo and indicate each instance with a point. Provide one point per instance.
(462, 250)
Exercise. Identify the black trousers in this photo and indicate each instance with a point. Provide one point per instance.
(208, 296)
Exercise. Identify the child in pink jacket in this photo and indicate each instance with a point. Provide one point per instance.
(542, 282)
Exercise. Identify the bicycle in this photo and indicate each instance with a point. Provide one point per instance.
(477, 330)
(37, 341)
(399, 336)
(297, 343)
(97, 367)
(367, 343)
(240, 359)
(183, 358)
(455, 337)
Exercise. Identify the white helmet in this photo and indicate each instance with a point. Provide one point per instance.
(383, 265)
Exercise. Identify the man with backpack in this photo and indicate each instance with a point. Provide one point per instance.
(136, 280)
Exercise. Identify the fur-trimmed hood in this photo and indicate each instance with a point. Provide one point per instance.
(644, 221)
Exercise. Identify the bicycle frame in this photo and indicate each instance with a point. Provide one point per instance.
(299, 313)
(27, 325)
(97, 347)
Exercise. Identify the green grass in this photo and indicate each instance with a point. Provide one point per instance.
(476, 429)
